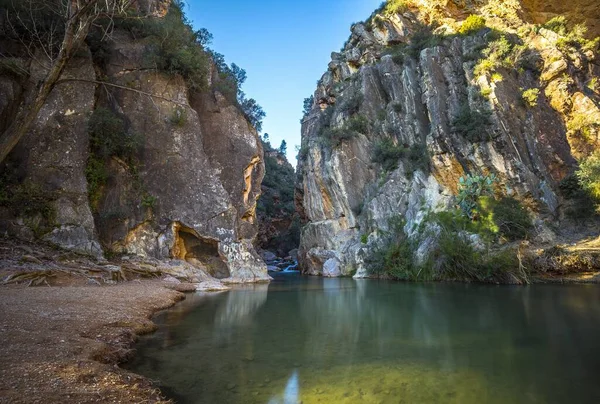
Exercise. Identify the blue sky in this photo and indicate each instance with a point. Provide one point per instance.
(284, 46)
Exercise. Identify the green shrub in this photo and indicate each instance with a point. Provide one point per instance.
(179, 117)
(472, 124)
(302, 152)
(252, 111)
(398, 53)
(496, 77)
(30, 199)
(351, 101)
(472, 24)
(422, 39)
(570, 187)
(512, 219)
(396, 7)
(485, 92)
(148, 201)
(418, 155)
(557, 25)
(584, 125)
(333, 137)
(589, 175)
(387, 154)
(96, 175)
(530, 96)
(364, 238)
(398, 261)
(470, 189)
(278, 185)
(582, 204)
(173, 45)
(571, 37)
(358, 123)
(457, 259)
(108, 136)
(496, 55)
(396, 258)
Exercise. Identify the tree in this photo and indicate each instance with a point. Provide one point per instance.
(308, 104)
(283, 147)
(204, 37)
(254, 112)
(239, 75)
(70, 25)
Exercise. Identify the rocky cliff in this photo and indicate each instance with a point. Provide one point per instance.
(130, 158)
(424, 93)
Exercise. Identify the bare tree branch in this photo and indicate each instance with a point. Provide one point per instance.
(108, 84)
(79, 15)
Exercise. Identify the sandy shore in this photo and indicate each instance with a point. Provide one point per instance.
(62, 344)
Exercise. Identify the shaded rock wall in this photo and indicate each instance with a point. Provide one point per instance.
(279, 224)
(191, 193)
(578, 11)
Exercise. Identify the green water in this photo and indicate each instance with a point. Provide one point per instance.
(314, 340)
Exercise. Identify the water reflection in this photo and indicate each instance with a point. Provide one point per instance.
(291, 394)
(241, 305)
(339, 340)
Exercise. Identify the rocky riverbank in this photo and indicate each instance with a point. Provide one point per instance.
(63, 344)
(67, 320)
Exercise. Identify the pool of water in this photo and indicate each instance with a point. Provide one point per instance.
(314, 340)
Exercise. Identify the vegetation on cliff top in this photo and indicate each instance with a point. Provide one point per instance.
(54, 31)
(174, 47)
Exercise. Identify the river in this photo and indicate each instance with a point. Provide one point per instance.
(315, 340)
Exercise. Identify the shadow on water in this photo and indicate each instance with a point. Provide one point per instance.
(340, 340)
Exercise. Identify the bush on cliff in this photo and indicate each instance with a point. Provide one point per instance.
(571, 37)
(580, 204)
(589, 175)
(472, 24)
(472, 124)
(108, 138)
(511, 219)
(455, 256)
(175, 47)
(28, 200)
(387, 154)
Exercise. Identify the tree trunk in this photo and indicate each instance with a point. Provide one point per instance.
(76, 30)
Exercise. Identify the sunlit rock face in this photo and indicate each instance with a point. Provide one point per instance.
(415, 98)
(191, 192)
(577, 11)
